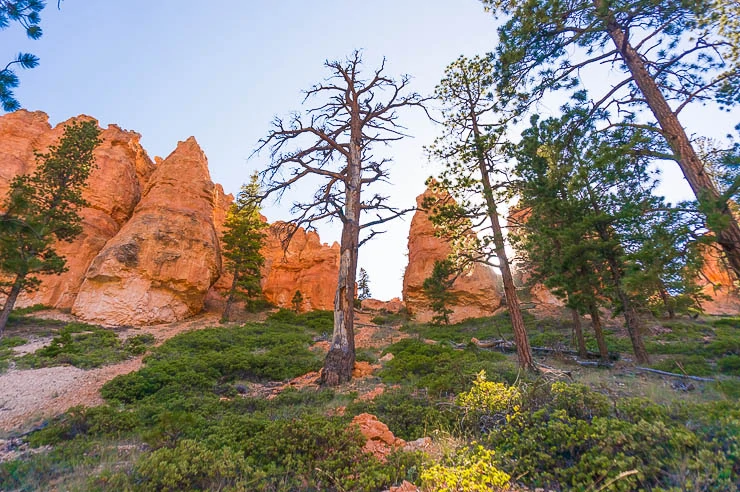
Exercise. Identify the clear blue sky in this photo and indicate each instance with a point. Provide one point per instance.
(220, 71)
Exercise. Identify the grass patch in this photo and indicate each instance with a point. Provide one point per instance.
(6, 350)
(86, 346)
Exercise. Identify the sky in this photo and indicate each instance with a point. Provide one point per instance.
(221, 71)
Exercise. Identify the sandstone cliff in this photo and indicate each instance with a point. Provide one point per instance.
(149, 251)
(307, 266)
(718, 285)
(114, 189)
(476, 290)
(160, 265)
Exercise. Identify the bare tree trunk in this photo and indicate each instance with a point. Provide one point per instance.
(340, 360)
(728, 235)
(523, 349)
(598, 331)
(582, 352)
(15, 290)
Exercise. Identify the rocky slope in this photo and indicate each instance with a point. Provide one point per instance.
(476, 290)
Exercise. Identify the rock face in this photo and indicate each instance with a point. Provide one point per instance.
(718, 285)
(307, 266)
(476, 291)
(160, 265)
(114, 189)
(20, 134)
(149, 250)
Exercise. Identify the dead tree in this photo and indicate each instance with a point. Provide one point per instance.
(332, 142)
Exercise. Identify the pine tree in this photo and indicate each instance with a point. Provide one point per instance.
(42, 208)
(587, 196)
(363, 285)
(468, 150)
(242, 243)
(667, 55)
(26, 13)
(437, 290)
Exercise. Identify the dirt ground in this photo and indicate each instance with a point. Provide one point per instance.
(28, 397)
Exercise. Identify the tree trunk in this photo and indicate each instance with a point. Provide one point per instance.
(630, 316)
(728, 233)
(230, 300)
(666, 298)
(523, 349)
(582, 352)
(340, 360)
(15, 290)
(598, 332)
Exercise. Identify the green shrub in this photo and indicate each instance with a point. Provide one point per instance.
(575, 439)
(201, 362)
(409, 414)
(442, 369)
(190, 465)
(86, 346)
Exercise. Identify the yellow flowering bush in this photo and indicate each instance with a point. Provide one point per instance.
(470, 470)
(492, 398)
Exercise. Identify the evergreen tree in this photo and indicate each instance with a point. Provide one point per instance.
(667, 55)
(363, 285)
(42, 208)
(437, 290)
(242, 243)
(467, 149)
(297, 301)
(588, 196)
(26, 13)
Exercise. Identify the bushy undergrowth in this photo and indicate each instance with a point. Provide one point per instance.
(86, 346)
(186, 420)
(565, 436)
(184, 407)
(442, 369)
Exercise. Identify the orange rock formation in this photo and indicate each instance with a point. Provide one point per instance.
(476, 291)
(149, 250)
(307, 266)
(160, 265)
(380, 441)
(718, 285)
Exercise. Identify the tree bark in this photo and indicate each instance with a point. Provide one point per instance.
(523, 349)
(15, 290)
(340, 360)
(598, 331)
(728, 234)
(630, 315)
(582, 352)
(230, 300)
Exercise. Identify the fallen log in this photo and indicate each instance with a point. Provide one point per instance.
(507, 346)
(593, 363)
(675, 375)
